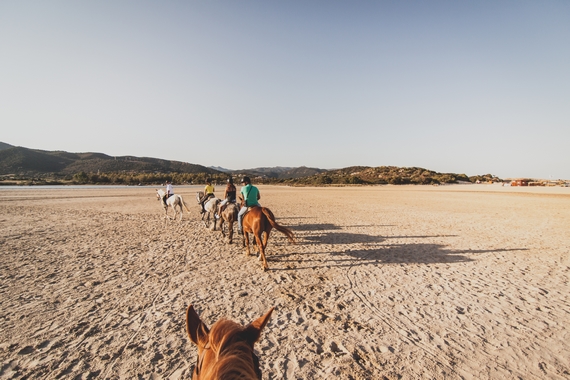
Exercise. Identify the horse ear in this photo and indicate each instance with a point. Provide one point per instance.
(196, 329)
(253, 330)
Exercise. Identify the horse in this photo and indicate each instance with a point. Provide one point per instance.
(172, 201)
(229, 215)
(225, 351)
(211, 206)
(257, 221)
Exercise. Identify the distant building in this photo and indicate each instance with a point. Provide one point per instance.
(520, 182)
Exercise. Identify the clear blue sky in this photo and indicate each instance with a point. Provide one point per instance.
(468, 87)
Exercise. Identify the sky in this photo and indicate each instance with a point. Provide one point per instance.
(471, 87)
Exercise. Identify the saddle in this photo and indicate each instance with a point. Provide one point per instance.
(249, 209)
(206, 197)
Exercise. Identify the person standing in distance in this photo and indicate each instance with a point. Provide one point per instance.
(251, 197)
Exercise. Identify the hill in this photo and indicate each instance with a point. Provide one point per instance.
(280, 172)
(32, 162)
(394, 175)
(33, 166)
(5, 146)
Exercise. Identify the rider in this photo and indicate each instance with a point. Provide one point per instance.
(251, 197)
(208, 193)
(169, 191)
(229, 196)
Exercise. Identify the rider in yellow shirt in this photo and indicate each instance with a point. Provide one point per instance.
(208, 193)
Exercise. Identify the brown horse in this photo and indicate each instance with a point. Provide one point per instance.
(225, 351)
(229, 215)
(257, 221)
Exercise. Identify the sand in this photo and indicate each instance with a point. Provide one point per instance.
(386, 282)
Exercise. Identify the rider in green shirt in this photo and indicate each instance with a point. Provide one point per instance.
(251, 197)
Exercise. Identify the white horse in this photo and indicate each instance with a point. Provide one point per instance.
(172, 201)
(211, 207)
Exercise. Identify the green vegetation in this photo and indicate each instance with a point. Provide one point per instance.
(348, 176)
(30, 167)
(363, 175)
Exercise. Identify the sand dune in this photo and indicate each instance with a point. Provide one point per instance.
(394, 282)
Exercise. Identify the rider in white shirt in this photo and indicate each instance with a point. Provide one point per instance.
(169, 191)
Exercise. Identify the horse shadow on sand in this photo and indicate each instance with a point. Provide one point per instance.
(358, 249)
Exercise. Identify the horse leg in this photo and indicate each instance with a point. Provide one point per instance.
(230, 230)
(261, 251)
(246, 242)
(221, 225)
(266, 237)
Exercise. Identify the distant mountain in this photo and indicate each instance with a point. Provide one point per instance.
(280, 172)
(386, 175)
(37, 165)
(220, 169)
(5, 146)
(19, 160)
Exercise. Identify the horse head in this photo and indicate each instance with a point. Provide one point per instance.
(226, 350)
(160, 196)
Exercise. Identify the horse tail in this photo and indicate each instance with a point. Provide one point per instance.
(284, 230)
(184, 204)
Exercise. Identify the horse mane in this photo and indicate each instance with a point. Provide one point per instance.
(236, 359)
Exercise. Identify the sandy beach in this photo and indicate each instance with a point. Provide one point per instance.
(385, 282)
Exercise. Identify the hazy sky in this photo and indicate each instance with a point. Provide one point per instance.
(468, 87)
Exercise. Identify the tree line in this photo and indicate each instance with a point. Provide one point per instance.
(347, 176)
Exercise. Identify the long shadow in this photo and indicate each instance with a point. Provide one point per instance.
(384, 255)
(417, 253)
(375, 252)
(292, 217)
(330, 226)
(315, 227)
(342, 238)
(417, 237)
(353, 238)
